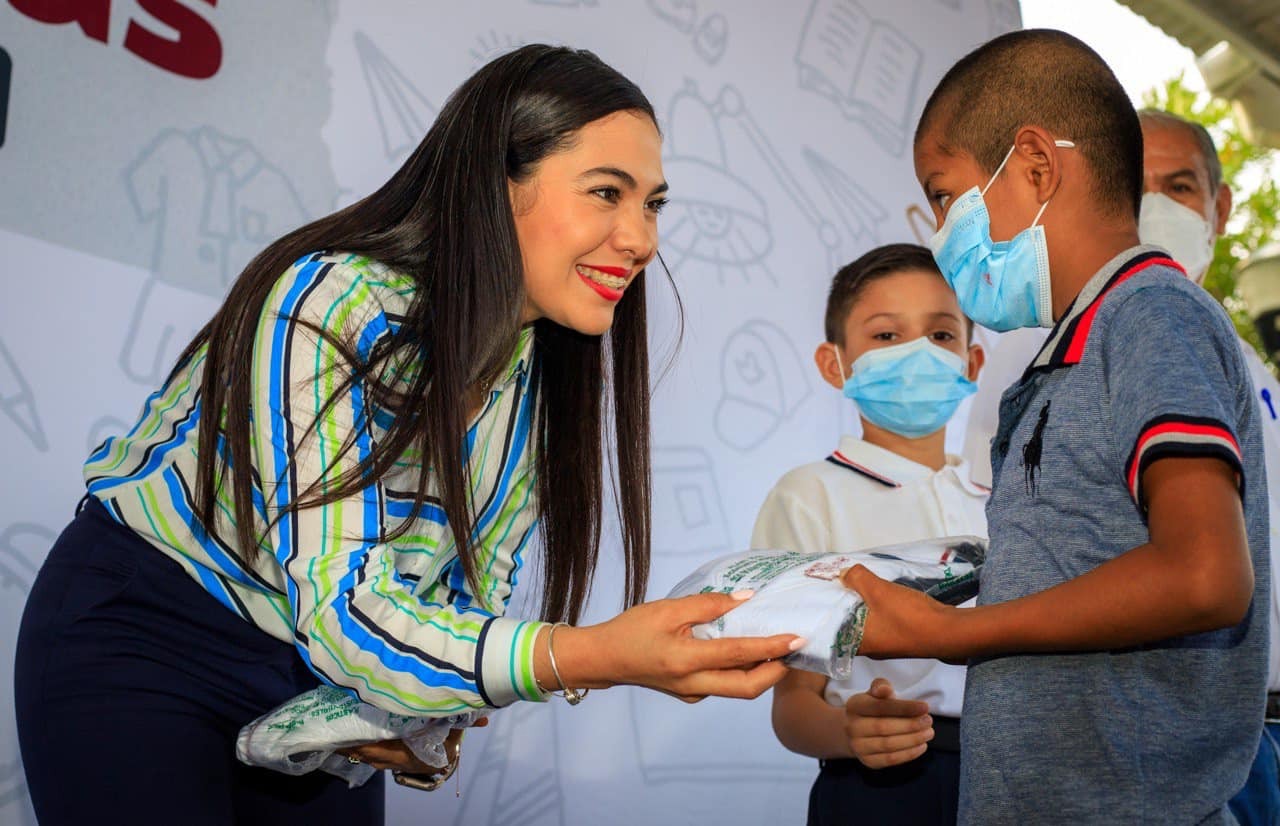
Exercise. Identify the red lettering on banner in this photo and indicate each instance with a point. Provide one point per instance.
(197, 53)
(93, 16)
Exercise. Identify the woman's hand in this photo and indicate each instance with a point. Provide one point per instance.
(394, 754)
(903, 622)
(652, 645)
(885, 731)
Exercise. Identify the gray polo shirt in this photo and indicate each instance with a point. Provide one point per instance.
(1144, 365)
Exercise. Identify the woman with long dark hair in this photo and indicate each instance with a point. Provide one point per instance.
(339, 480)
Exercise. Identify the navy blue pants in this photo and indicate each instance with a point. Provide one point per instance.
(925, 791)
(131, 684)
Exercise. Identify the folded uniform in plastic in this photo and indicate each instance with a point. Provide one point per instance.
(302, 735)
(798, 593)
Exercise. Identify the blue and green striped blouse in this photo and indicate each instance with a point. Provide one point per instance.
(394, 621)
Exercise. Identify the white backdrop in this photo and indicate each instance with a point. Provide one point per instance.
(152, 146)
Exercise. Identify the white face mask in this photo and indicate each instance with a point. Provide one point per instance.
(1166, 223)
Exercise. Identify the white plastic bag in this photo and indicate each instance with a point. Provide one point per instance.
(302, 735)
(798, 593)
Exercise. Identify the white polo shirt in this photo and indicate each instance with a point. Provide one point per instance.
(861, 497)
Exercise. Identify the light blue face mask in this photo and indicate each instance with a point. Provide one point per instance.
(911, 389)
(1002, 285)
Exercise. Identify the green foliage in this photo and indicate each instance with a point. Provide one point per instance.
(1250, 171)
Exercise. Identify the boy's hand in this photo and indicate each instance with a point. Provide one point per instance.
(901, 621)
(884, 731)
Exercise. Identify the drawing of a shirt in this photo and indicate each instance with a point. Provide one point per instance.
(216, 203)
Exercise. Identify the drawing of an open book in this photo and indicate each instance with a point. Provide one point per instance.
(863, 65)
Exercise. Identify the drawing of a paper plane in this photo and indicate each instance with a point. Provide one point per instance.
(403, 113)
(18, 402)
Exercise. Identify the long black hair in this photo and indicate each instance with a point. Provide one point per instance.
(445, 219)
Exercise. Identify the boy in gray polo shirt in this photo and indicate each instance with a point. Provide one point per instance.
(1118, 653)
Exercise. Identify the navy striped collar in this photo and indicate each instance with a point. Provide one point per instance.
(840, 460)
(887, 468)
(1066, 344)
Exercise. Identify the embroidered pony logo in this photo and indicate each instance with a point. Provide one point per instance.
(1033, 450)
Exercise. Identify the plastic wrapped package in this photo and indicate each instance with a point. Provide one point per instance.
(798, 593)
(302, 735)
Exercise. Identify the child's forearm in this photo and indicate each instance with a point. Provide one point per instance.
(1195, 575)
(804, 721)
(1138, 597)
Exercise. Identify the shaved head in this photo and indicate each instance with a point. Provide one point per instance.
(1045, 78)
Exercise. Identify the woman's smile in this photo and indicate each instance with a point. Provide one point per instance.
(609, 282)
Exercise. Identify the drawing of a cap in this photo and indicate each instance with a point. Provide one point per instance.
(763, 383)
(716, 216)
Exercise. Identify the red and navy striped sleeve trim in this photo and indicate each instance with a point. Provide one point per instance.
(1070, 346)
(845, 462)
(1185, 436)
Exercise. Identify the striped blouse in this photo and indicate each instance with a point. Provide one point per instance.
(395, 621)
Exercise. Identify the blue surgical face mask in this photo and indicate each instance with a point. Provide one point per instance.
(911, 389)
(1002, 285)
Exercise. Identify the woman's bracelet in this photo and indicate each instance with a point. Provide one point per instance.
(571, 695)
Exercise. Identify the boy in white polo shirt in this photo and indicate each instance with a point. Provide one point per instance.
(898, 346)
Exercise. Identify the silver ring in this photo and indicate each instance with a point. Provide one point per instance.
(354, 759)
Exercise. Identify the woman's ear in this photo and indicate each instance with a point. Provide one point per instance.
(829, 366)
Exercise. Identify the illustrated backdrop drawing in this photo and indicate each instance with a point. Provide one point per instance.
(147, 157)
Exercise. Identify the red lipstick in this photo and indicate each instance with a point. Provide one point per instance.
(606, 292)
